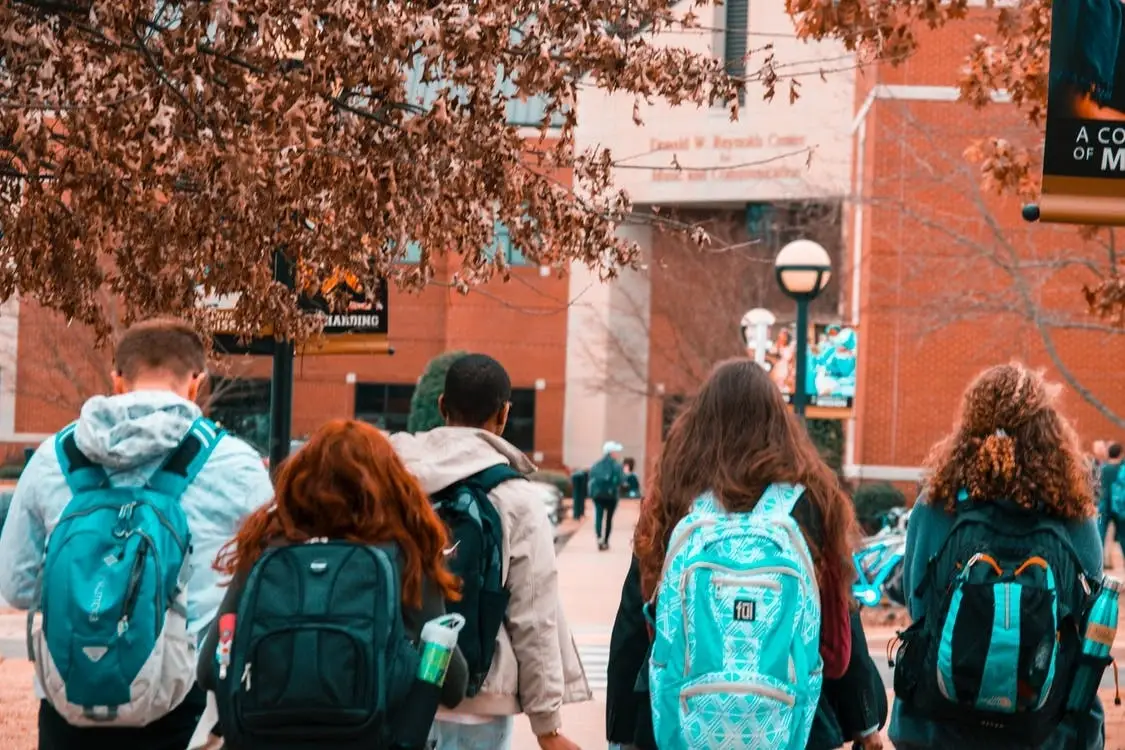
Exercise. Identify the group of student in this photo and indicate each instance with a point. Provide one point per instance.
(737, 629)
(174, 590)
(178, 597)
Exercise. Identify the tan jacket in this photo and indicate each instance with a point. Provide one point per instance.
(536, 668)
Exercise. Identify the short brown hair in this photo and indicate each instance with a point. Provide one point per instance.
(160, 344)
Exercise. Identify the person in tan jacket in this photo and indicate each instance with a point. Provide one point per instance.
(536, 667)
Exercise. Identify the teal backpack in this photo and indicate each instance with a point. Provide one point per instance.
(735, 660)
(1117, 495)
(603, 479)
(112, 648)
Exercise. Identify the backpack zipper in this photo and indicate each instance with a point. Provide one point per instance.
(246, 678)
(737, 688)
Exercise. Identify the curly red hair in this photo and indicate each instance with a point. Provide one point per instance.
(348, 483)
(1012, 443)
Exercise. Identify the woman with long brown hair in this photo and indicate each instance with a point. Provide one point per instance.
(1007, 507)
(735, 442)
(346, 484)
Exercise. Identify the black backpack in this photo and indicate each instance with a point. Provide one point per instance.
(477, 539)
(995, 654)
(320, 657)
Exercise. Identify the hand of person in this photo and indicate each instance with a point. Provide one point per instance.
(873, 741)
(556, 742)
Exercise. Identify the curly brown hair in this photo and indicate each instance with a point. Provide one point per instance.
(735, 438)
(1012, 443)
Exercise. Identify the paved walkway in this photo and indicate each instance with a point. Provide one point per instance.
(590, 587)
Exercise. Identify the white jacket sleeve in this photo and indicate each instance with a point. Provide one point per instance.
(24, 538)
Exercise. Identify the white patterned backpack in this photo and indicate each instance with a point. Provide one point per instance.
(735, 662)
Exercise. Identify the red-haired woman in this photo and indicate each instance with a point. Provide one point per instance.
(348, 484)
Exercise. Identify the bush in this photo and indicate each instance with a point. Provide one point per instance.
(872, 501)
(559, 479)
(828, 437)
(424, 412)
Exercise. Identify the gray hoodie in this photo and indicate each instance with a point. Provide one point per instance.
(536, 668)
(130, 435)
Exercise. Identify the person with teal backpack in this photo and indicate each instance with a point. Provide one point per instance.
(1003, 564)
(112, 531)
(744, 549)
(606, 480)
(1111, 505)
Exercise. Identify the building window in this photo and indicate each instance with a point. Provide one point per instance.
(761, 223)
(520, 430)
(734, 41)
(501, 242)
(413, 253)
(385, 405)
(672, 406)
(242, 408)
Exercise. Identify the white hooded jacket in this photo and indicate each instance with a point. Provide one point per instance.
(536, 668)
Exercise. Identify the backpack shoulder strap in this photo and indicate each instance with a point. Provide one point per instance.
(82, 474)
(185, 462)
(778, 500)
(494, 476)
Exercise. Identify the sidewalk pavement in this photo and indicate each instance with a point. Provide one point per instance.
(590, 588)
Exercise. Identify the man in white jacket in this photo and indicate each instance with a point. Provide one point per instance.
(536, 668)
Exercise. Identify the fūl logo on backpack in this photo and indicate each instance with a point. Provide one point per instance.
(744, 610)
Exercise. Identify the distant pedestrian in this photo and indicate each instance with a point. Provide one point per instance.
(530, 663)
(632, 486)
(114, 518)
(1111, 499)
(1002, 556)
(744, 549)
(607, 477)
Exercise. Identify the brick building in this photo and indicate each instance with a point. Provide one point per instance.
(938, 278)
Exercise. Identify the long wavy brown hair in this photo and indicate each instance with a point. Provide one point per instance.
(348, 483)
(1011, 443)
(735, 438)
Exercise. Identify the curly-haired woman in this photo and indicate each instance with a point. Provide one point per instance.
(1014, 461)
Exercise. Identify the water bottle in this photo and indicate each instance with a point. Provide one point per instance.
(439, 639)
(1101, 629)
(416, 715)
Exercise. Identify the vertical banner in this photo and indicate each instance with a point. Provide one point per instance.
(832, 359)
(1084, 151)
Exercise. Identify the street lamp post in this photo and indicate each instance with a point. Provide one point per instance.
(803, 269)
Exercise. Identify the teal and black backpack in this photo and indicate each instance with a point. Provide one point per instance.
(476, 557)
(1005, 597)
(112, 648)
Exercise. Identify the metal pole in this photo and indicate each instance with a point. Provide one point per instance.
(802, 357)
(281, 386)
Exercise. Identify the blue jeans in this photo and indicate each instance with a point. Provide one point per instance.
(495, 735)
